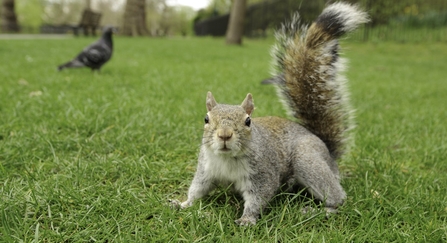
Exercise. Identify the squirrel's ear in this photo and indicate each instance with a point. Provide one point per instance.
(248, 104)
(210, 101)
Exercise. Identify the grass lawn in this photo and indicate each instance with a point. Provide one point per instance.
(90, 157)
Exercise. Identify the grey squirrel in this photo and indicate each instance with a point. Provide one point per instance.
(260, 156)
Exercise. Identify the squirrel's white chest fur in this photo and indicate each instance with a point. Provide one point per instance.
(228, 169)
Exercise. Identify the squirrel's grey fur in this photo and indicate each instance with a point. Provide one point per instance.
(261, 155)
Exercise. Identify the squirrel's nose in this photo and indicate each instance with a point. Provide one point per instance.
(225, 134)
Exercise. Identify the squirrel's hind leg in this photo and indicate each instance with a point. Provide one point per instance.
(311, 169)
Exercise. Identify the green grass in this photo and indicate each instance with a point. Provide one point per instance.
(95, 156)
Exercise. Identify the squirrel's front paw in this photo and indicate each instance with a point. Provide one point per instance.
(179, 205)
(173, 203)
(246, 221)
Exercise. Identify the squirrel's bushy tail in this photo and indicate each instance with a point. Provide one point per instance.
(307, 72)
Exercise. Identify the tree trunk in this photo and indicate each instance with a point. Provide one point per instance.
(88, 4)
(235, 29)
(135, 18)
(9, 17)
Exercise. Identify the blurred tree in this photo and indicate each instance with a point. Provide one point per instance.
(179, 20)
(174, 20)
(382, 11)
(214, 8)
(9, 17)
(135, 18)
(235, 28)
(219, 7)
(156, 10)
(184, 23)
(112, 12)
(58, 12)
(163, 20)
(29, 13)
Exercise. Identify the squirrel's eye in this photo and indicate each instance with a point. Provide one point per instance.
(248, 121)
(207, 119)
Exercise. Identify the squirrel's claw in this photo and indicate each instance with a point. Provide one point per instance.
(174, 204)
(245, 221)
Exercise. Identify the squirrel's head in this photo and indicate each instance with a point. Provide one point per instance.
(227, 127)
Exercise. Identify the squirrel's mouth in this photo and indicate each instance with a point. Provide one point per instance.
(224, 148)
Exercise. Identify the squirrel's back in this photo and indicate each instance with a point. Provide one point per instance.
(307, 73)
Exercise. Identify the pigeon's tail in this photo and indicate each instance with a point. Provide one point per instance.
(60, 67)
(71, 64)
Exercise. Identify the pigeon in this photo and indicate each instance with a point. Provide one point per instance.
(95, 55)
